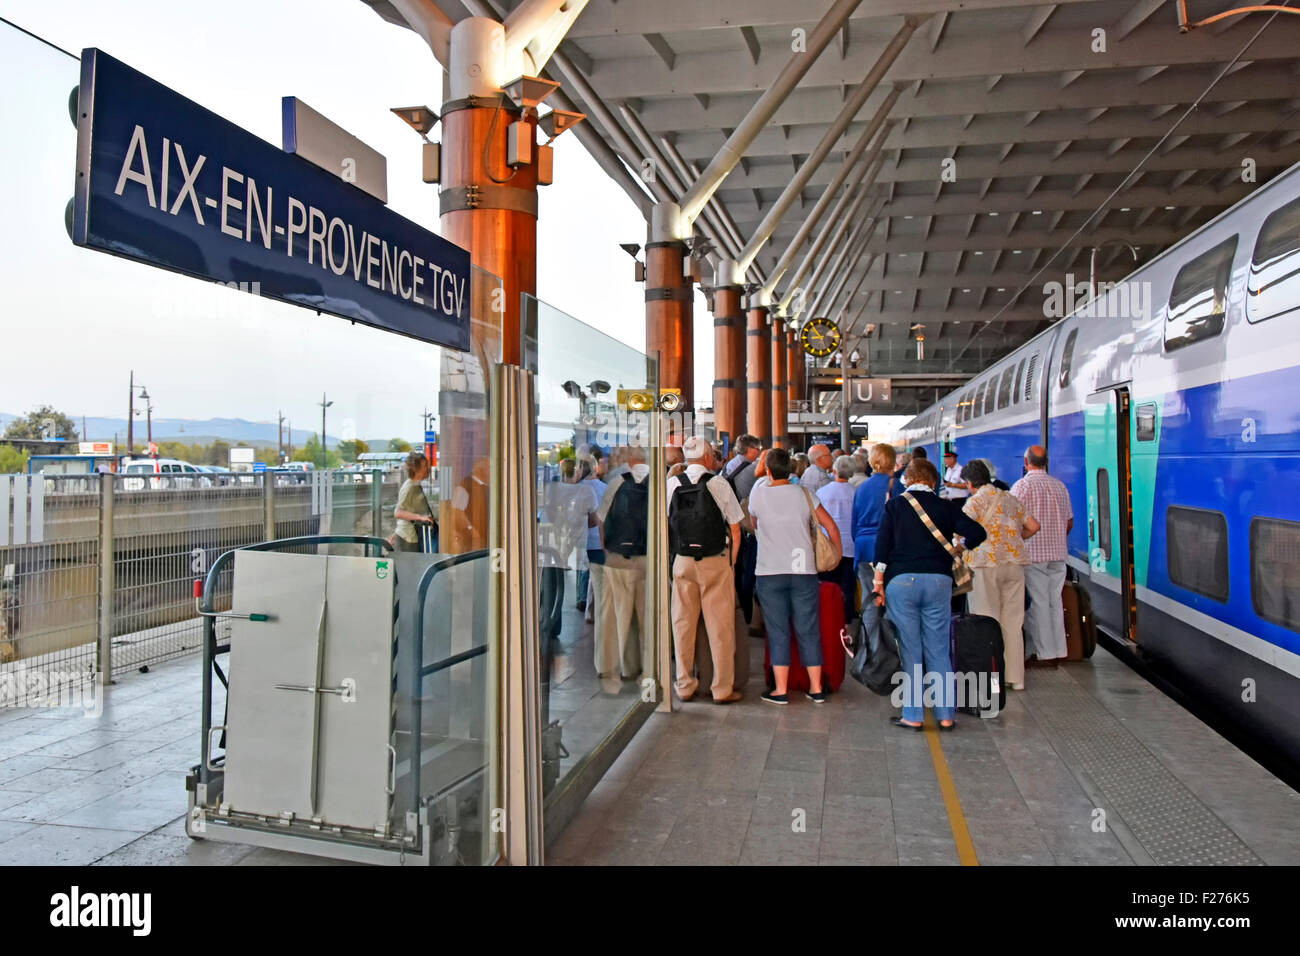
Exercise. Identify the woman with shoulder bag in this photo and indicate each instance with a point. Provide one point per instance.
(412, 509)
(915, 567)
(784, 518)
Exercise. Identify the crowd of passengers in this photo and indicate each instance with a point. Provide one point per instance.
(757, 511)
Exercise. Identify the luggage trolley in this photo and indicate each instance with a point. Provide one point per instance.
(315, 764)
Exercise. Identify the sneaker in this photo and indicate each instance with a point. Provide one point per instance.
(817, 697)
(772, 698)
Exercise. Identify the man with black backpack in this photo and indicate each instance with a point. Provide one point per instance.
(704, 536)
(624, 515)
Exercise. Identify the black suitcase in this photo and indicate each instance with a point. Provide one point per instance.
(977, 649)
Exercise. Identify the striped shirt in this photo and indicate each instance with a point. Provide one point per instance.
(1047, 501)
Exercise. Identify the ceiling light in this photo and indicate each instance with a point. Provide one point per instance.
(992, 214)
(1123, 208)
(1038, 212)
(978, 252)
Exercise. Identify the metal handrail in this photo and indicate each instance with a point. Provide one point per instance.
(210, 649)
(418, 669)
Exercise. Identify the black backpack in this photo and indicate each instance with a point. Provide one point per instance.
(731, 478)
(696, 527)
(629, 513)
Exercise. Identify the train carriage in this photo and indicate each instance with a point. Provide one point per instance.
(1170, 407)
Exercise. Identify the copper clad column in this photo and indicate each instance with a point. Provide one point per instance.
(758, 342)
(728, 364)
(780, 392)
(795, 375)
(487, 207)
(669, 326)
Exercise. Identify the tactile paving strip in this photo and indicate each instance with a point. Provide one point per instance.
(1166, 818)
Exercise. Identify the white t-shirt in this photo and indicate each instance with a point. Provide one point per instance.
(718, 487)
(562, 524)
(837, 499)
(954, 474)
(785, 544)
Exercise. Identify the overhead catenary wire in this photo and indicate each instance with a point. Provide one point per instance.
(1227, 68)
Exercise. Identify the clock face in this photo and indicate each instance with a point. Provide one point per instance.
(820, 337)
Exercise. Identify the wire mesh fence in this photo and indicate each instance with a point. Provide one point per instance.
(159, 534)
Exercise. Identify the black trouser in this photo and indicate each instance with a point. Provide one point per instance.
(844, 575)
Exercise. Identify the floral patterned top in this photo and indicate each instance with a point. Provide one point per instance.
(1002, 515)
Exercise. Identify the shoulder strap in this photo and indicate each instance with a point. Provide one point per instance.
(889, 492)
(926, 520)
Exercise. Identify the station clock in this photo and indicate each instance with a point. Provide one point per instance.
(820, 337)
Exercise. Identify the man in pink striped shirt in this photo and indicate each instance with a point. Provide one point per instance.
(1046, 499)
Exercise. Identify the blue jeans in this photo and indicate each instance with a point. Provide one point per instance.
(790, 598)
(920, 605)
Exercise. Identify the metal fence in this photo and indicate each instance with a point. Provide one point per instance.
(97, 571)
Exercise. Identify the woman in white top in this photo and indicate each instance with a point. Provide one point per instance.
(786, 575)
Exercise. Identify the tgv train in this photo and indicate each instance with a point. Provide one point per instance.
(1170, 407)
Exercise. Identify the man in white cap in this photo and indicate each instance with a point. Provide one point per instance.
(704, 538)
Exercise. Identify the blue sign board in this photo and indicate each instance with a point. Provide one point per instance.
(430, 438)
(259, 467)
(165, 181)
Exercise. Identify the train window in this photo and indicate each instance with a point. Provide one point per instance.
(1146, 422)
(1273, 286)
(1067, 359)
(991, 395)
(1197, 551)
(1030, 374)
(1199, 298)
(1020, 375)
(1004, 388)
(1275, 571)
(977, 400)
(1103, 512)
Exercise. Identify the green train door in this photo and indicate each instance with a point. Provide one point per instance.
(1108, 430)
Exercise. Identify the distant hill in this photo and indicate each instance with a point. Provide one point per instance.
(191, 431)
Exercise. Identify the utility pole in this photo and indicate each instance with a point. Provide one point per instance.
(324, 459)
(130, 417)
(279, 437)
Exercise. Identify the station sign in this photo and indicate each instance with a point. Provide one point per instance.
(162, 180)
(259, 467)
(868, 394)
(95, 448)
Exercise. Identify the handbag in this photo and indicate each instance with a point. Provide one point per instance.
(873, 669)
(828, 558)
(962, 579)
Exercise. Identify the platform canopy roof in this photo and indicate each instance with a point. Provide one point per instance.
(1059, 120)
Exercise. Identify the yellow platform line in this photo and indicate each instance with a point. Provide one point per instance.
(951, 802)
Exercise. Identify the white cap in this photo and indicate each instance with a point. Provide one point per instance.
(695, 448)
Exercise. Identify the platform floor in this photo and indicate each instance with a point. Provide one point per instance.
(728, 785)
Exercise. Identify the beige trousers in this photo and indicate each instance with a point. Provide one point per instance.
(625, 593)
(999, 592)
(704, 587)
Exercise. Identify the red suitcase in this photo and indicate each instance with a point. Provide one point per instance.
(834, 660)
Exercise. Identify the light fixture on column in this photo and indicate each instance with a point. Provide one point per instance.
(423, 119)
(632, 248)
(527, 92)
(918, 331)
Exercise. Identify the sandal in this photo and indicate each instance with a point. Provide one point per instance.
(900, 722)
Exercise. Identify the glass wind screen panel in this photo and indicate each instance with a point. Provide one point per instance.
(1103, 512)
(598, 651)
(1020, 374)
(1199, 298)
(990, 396)
(305, 395)
(1067, 359)
(1273, 286)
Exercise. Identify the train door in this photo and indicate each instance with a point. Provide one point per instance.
(1108, 426)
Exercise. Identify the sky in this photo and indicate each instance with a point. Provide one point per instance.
(74, 323)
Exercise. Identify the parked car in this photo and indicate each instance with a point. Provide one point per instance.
(166, 472)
